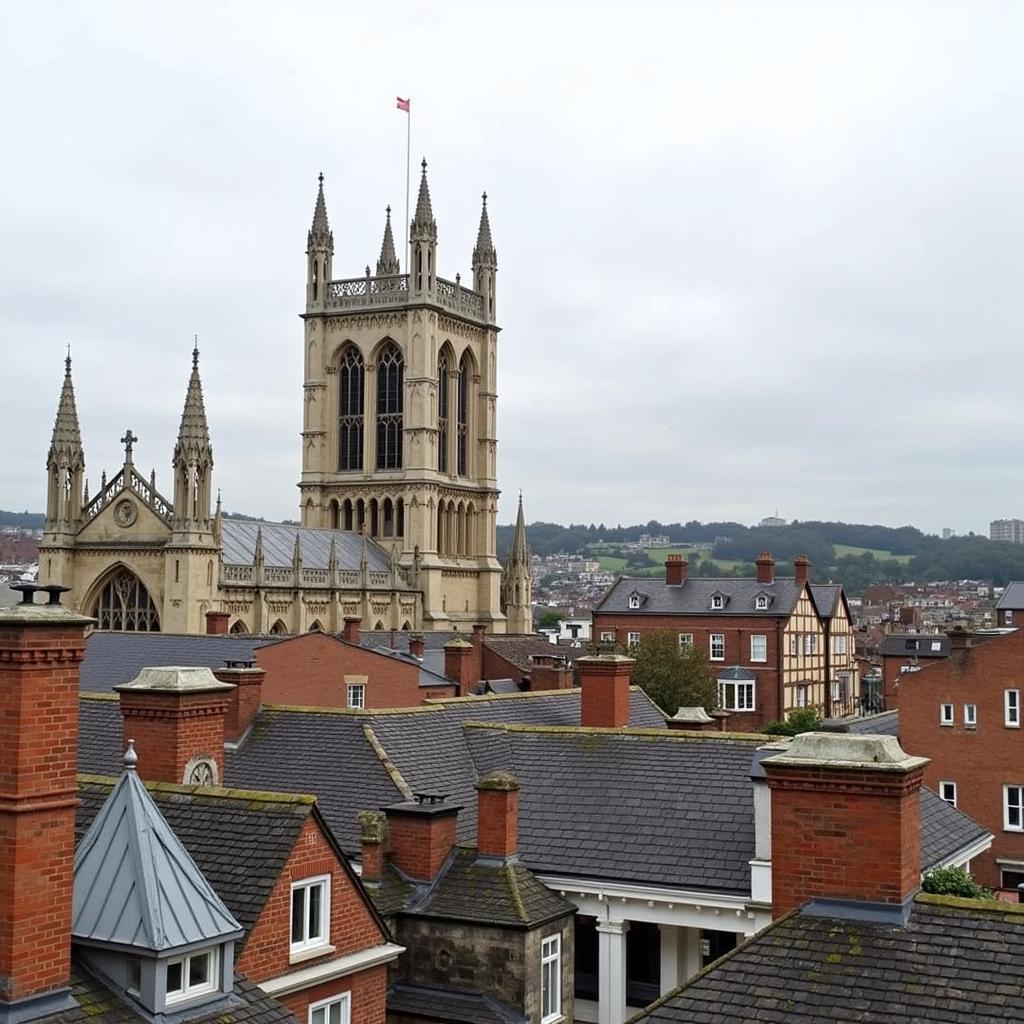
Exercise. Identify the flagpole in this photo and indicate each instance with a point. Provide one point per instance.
(408, 147)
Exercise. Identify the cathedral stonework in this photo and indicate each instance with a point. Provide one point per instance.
(398, 489)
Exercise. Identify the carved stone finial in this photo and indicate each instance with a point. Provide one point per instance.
(131, 759)
(195, 352)
(128, 440)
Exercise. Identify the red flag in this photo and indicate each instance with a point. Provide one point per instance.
(403, 104)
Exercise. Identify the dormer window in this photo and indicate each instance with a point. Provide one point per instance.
(636, 599)
(718, 601)
(761, 603)
(192, 975)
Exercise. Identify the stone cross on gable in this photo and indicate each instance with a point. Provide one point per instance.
(128, 440)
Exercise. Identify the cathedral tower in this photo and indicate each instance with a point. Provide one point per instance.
(400, 382)
(517, 581)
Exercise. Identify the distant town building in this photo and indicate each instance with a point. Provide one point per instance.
(1009, 531)
(772, 521)
(947, 532)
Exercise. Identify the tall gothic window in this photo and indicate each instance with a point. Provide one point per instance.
(124, 604)
(390, 371)
(463, 414)
(442, 414)
(351, 377)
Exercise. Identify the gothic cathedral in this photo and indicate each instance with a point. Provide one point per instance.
(398, 489)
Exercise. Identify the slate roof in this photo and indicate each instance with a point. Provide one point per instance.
(956, 962)
(497, 686)
(826, 598)
(693, 597)
(507, 895)
(98, 1005)
(238, 546)
(735, 672)
(520, 650)
(1013, 596)
(425, 1003)
(915, 645)
(240, 841)
(887, 723)
(944, 833)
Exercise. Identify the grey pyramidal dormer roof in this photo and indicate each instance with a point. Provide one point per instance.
(135, 883)
(67, 437)
(194, 433)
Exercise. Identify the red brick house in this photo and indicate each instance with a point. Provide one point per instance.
(772, 648)
(964, 713)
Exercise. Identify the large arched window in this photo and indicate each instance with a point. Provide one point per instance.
(390, 373)
(351, 378)
(442, 413)
(463, 415)
(124, 604)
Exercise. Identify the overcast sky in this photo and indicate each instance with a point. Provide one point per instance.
(752, 256)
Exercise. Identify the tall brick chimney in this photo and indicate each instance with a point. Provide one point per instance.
(845, 821)
(373, 829)
(416, 645)
(460, 665)
(41, 646)
(801, 570)
(676, 569)
(497, 816)
(217, 622)
(421, 834)
(604, 702)
(350, 632)
(177, 717)
(765, 568)
(247, 680)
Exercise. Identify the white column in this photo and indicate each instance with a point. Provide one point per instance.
(611, 971)
(673, 948)
(690, 943)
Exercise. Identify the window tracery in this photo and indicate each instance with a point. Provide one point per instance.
(390, 374)
(442, 413)
(351, 387)
(124, 605)
(463, 416)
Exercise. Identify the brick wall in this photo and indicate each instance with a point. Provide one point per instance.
(419, 843)
(980, 760)
(368, 994)
(310, 670)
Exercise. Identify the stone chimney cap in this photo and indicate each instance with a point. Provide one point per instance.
(51, 613)
(457, 645)
(846, 750)
(695, 715)
(605, 659)
(175, 679)
(503, 782)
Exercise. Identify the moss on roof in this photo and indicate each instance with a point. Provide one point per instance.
(253, 797)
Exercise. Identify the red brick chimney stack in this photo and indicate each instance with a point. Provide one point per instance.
(373, 827)
(217, 622)
(421, 834)
(765, 568)
(41, 646)
(604, 702)
(497, 816)
(845, 814)
(350, 632)
(801, 570)
(959, 639)
(676, 569)
(247, 679)
(460, 665)
(177, 717)
(416, 645)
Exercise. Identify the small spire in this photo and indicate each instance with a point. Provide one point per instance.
(483, 252)
(67, 437)
(332, 557)
(195, 352)
(423, 225)
(131, 759)
(297, 554)
(257, 554)
(388, 262)
(520, 553)
(194, 433)
(320, 235)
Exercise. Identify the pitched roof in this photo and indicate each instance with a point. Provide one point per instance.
(693, 596)
(520, 650)
(1013, 596)
(238, 538)
(424, 1003)
(915, 645)
(955, 961)
(826, 598)
(886, 723)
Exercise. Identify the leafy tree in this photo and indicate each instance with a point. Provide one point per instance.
(549, 618)
(800, 720)
(671, 676)
(954, 882)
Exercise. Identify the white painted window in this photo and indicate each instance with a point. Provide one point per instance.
(1011, 705)
(356, 695)
(970, 715)
(192, 975)
(810, 643)
(839, 644)
(758, 647)
(1009, 618)
(801, 695)
(1013, 808)
(947, 790)
(841, 686)
(311, 913)
(607, 636)
(336, 1010)
(762, 602)
(685, 640)
(717, 647)
(736, 694)
(632, 639)
(634, 600)
(717, 601)
(945, 714)
(550, 979)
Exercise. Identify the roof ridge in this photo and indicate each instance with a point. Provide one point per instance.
(512, 884)
(631, 732)
(968, 903)
(94, 695)
(397, 778)
(217, 792)
(522, 694)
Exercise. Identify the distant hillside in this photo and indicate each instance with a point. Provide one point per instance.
(24, 520)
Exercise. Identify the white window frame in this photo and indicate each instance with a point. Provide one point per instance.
(761, 603)
(1011, 709)
(607, 636)
(685, 640)
(947, 791)
(800, 695)
(308, 941)
(946, 714)
(717, 602)
(763, 637)
(736, 695)
(720, 638)
(550, 970)
(632, 640)
(839, 643)
(971, 716)
(188, 991)
(356, 695)
(634, 600)
(344, 1017)
(1016, 806)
